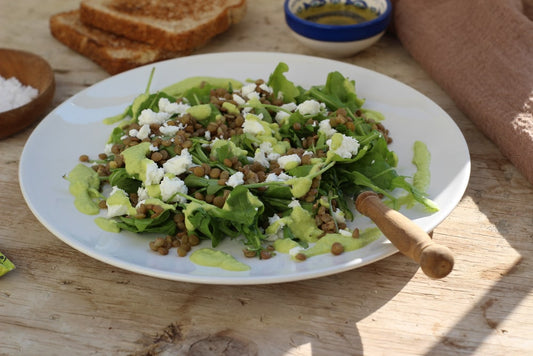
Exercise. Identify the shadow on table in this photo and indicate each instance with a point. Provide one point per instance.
(514, 221)
(462, 339)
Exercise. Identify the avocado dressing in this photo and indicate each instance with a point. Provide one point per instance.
(215, 258)
(324, 244)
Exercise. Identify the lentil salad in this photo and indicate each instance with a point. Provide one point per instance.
(254, 162)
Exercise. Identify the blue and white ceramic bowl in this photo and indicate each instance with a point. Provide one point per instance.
(338, 40)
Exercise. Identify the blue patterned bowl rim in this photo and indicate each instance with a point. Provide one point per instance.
(338, 33)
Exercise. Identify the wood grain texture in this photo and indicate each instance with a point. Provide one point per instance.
(59, 301)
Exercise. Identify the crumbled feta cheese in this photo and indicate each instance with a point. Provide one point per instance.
(252, 126)
(295, 250)
(238, 99)
(289, 161)
(273, 177)
(284, 176)
(266, 88)
(338, 215)
(132, 133)
(152, 148)
(253, 96)
(154, 174)
(117, 209)
(307, 153)
(345, 232)
(170, 186)
(139, 203)
(260, 157)
(108, 149)
(349, 146)
(248, 89)
(144, 132)
(310, 107)
(274, 218)
(213, 142)
(142, 194)
(266, 147)
(294, 203)
(281, 116)
(325, 128)
(170, 130)
(207, 135)
(172, 108)
(178, 164)
(265, 153)
(273, 156)
(235, 179)
(117, 189)
(148, 117)
(289, 106)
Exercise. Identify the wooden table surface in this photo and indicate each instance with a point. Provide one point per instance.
(61, 302)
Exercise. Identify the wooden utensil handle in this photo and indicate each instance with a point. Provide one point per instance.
(435, 260)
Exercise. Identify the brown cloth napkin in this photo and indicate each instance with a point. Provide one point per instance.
(481, 53)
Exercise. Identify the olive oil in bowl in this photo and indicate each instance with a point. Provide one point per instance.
(337, 14)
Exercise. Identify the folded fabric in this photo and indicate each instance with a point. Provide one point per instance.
(481, 53)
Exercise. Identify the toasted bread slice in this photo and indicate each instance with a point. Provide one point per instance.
(113, 53)
(173, 25)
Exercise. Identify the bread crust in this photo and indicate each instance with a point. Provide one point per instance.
(164, 34)
(113, 53)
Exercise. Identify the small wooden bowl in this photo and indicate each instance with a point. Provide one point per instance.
(31, 70)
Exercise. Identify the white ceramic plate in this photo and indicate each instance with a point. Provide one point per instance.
(75, 127)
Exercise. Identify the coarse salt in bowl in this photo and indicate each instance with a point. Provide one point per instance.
(24, 71)
(338, 39)
(15, 94)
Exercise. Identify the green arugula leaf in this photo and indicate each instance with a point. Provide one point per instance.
(243, 206)
(163, 224)
(279, 83)
(239, 214)
(211, 186)
(115, 136)
(211, 227)
(222, 149)
(246, 141)
(338, 92)
(400, 182)
(120, 178)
